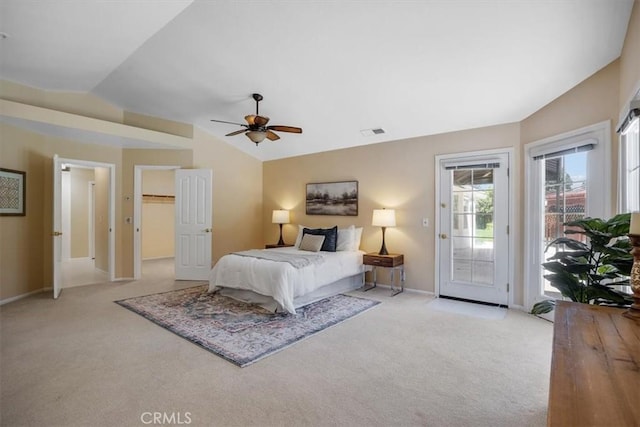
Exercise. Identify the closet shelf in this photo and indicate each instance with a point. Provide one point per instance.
(158, 198)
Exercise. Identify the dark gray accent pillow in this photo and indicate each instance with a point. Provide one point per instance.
(330, 237)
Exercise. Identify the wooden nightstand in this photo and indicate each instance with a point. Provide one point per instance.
(277, 246)
(391, 261)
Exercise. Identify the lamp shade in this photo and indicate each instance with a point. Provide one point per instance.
(384, 218)
(280, 216)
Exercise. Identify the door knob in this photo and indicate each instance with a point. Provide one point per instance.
(207, 230)
(443, 236)
(56, 233)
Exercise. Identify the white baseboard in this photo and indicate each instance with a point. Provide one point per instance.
(158, 257)
(17, 297)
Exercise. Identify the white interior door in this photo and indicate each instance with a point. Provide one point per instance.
(474, 219)
(57, 227)
(193, 223)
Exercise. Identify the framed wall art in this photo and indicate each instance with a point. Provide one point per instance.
(13, 191)
(332, 198)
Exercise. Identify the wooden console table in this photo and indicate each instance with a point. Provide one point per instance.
(595, 367)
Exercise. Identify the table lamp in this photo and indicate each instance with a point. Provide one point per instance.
(280, 216)
(384, 218)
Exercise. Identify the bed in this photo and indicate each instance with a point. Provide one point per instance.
(283, 279)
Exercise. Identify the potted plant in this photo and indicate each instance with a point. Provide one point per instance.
(594, 270)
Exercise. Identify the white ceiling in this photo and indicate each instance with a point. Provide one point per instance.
(333, 68)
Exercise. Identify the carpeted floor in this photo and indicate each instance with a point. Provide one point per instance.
(470, 309)
(238, 332)
(84, 361)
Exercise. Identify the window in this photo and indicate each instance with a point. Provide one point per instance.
(567, 177)
(630, 167)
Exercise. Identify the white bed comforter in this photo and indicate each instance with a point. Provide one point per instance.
(280, 280)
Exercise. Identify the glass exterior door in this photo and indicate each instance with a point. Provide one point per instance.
(474, 231)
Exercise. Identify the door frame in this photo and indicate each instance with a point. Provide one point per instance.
(91, 221)
(111, 241)
(511, 173)
(137, 213)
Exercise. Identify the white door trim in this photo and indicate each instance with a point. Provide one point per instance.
(92, 220)
(57, 172)
(509, 152)
(602, 132)
(137, 213)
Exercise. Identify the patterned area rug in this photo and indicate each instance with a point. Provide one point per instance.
(239, 332)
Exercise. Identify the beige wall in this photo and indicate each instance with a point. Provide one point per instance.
(83, 104)
(397, 175)
(25, 242)
(630, 60)
(79, 213)
(400, 174)
(237, 194)
(131, 158)
(593, 101)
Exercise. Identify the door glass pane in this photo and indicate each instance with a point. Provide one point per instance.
(565, 200)
(472, 234)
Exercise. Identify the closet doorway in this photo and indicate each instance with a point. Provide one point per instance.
(154, 220)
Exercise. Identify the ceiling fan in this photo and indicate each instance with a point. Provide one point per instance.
(256, 128)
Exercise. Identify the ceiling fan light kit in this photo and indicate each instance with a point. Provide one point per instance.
(256, 136)
(256, 128)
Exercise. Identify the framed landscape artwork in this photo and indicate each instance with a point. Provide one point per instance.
(332, 198)
(12, 192)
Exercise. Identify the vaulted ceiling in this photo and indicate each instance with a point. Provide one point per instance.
(333, 68)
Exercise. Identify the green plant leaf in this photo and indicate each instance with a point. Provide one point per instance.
(553, 266)
(570, 243)
(619, 224)
(605, 293)
(568, 255)
(543, 307)
(568, 285)
(578, 268)
(588, 224)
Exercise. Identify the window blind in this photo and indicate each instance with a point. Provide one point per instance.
(569, 146)
(586, 147)
(493, 165)
(633, 113)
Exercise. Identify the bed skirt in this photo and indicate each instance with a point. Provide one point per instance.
(343, 285)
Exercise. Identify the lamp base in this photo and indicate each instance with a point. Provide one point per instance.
(383, 248)
(634, 279)
(281, 241)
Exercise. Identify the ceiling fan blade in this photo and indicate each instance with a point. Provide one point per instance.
(272, 136)
(231, 123)
(261, 120)
(236, 132)
(291, 129)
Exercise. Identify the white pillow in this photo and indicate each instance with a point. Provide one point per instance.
(357, 237)
(299, 237)
(311, 243)
(346, 237)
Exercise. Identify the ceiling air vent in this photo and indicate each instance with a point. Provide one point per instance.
(371, 132)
